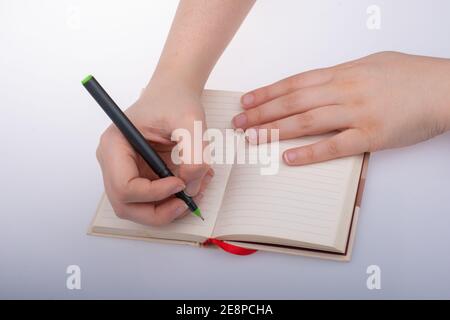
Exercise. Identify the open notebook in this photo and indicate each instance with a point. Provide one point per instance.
(309, 210)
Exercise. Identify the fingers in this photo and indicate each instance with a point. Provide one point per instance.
(128, 192)
(144, 190)
(346, 143)
(296, 102)
(150, 214)
(206, 181)
(286, 86)
(123, 182)
(316, 121)
(158, 214)
(193, 174)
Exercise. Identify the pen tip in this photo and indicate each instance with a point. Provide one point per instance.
(198, 213)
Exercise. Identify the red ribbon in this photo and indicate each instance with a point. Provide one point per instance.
(229, 247)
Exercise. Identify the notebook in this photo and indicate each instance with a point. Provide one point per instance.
(309, 210)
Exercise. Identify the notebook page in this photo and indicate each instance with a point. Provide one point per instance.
(220, 106)
(309, 204)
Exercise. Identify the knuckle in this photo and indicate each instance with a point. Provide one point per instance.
(309, 153)
(121, 212)
(372, 139)
(106, 136)
(193, 172)
(263, 93)
(104, 141)
(101, 144)
(387, 53)
(332, 148)
(331, 74)
(351, 91)
(186, 171)
(255, 115)
(289, 101)
(346, 77)
(120, 193)
(306, 120)
(103, 138)
(98, 153)
(304, 97)
(195, 169)
(291, 83)
(366, 137)
(160, 220)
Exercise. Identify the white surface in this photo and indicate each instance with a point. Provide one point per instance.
(51, 183)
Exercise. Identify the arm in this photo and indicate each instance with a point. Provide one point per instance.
(200, 32)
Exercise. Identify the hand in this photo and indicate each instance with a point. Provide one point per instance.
(134, 191)
(385, 100)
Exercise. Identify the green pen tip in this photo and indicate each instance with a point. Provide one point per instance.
(198, 213)
(86, 79)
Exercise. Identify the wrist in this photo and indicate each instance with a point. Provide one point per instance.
(177, 78)
(171, 92)
(161, 89)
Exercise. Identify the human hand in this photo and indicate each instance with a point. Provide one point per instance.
(384, 100)
(135, 192)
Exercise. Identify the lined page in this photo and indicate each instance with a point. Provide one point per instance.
(220, 107)
(309, 204)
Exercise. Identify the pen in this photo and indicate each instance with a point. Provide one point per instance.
(134, 137)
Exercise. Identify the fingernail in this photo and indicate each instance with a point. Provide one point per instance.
(178, 189)
(240, 120)
(290, 156)
(182, 208)
(207, 179)
(252, 135)
(192, 187)
(199, 196)
(248, 99)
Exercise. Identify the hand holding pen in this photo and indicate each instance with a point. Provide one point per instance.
(139, 184)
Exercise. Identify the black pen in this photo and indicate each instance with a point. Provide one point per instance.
(134, 137)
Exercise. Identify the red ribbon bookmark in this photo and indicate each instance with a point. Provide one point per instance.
(229, 247)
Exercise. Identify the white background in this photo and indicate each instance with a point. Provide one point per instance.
(50, 182)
